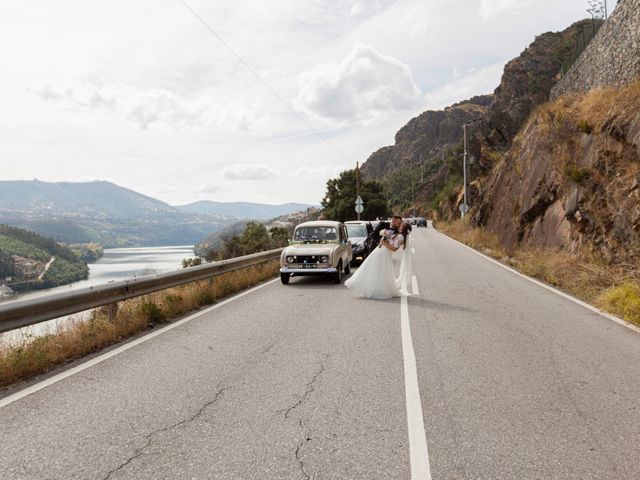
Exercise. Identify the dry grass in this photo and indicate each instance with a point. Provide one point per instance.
(623, 300)
(34, 356)
(478, 238)
(613, 288)
(589, 112)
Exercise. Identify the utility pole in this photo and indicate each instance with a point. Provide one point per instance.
(413, 195)
(465, 207)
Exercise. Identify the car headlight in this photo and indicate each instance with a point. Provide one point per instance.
(290, 259)
(324, 259)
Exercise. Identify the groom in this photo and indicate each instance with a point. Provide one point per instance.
(394, 226)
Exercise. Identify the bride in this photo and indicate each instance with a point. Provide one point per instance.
(376, 278)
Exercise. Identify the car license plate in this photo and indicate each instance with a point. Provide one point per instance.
(307, 265)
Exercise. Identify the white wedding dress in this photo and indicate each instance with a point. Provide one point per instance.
(376, 278)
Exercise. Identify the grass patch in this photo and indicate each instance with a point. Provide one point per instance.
(623, 300)
(35, 355)
(477, 238)
(577, 175)
(585, 127)
(446, 192)
(613, 288)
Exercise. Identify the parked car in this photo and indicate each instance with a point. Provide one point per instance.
(422, 222)
(361, 238)
(317, 248)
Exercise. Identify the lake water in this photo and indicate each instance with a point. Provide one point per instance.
(116, 264)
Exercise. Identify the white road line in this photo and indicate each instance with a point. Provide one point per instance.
(414, 285)
(72, 371)
(551, 289)
(418, 452)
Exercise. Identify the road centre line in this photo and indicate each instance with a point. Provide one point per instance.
(550, 288)
(418, 452)
(101, 358)
(414, 285)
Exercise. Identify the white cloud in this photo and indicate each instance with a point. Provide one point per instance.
(154, 106)
(368, 7)
(465, 85)
(490, 8)
(209, 188)
(321, 171)
(248, 172)
(360, 89)
(235, 117)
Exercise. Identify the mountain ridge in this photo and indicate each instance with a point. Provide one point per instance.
(109, 214)
(252, 210)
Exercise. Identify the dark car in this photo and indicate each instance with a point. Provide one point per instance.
(360, 236)
(421, 222)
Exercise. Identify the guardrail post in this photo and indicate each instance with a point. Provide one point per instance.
(210, 281)
(113, 311)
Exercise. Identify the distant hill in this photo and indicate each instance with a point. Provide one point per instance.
(30, 261)
(101, 212)
(242, 210)
(102, 199)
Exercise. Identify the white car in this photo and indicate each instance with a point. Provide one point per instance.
(317, 248)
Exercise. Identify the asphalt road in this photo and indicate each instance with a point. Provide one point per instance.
(308, 381)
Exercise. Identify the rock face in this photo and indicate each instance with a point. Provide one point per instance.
(562, 174)
(434, 138)
(526, 83)
(424, 137)
(612, 58)
(572, 178)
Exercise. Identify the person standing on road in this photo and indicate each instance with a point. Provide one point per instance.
(376, 277)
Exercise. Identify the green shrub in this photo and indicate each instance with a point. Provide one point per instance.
(151, 312)
(585, 126)
(577, 175)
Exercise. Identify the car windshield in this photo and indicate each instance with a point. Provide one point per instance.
(356, 231)
(315, 234)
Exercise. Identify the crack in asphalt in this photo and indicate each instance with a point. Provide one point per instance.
(306, 435)
(140, 451)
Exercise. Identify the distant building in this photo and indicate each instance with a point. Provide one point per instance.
(25, 267)
(5, 291)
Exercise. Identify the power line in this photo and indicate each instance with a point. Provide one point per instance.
(260, 79)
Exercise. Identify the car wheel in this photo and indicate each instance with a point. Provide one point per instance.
(284, 278)
(347, 269)
(337, 277)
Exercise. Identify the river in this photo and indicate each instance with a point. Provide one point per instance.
(116, 264)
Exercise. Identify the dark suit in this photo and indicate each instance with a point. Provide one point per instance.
(376, 233)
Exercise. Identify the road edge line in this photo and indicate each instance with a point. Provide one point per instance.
(123, 348)
(418, 450)
(582, 303)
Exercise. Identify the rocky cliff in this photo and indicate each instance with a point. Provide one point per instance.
(562, 174)
(572, 178)
(425, 137)
(429, 145)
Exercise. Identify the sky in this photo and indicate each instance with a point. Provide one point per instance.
(187, 100)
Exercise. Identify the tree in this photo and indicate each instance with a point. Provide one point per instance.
(7, 265)
(279, 237)
(340, 197)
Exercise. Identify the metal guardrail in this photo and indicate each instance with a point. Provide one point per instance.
(22, 313)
